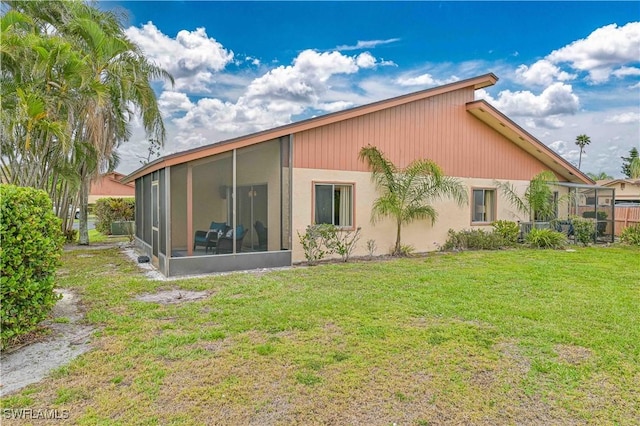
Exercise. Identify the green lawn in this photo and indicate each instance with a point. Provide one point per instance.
(505, 337)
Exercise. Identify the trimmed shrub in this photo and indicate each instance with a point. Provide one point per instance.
(29, 255)
(583, 229)
(631, 235)
(602, 226)
(109, 210)
(546, 238)
(473, 239)
(508, 230)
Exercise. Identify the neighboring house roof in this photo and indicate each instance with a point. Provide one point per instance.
(110, 184)
(609, 182)
(480, 109)
(626, 189)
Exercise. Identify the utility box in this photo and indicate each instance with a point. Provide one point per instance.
(123, 227)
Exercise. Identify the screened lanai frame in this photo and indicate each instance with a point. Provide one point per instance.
(597, 202)
(238, 187)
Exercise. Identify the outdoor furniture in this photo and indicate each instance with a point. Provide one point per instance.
(209, 238)
(224, 244)
(261, 230)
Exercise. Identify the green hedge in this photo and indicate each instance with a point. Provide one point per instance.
(30, 248)
(109, 210)
(631, 235)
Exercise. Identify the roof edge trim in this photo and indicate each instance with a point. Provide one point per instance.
(478, 82)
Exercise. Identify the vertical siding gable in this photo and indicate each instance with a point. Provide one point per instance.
(438, 128)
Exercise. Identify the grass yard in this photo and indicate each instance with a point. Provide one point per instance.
(506, 337)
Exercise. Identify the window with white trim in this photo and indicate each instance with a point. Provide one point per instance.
(333, 204)
(483, 205)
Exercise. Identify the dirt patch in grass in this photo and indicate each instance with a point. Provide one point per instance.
(66, 339)
(169, 297)
(572, 354)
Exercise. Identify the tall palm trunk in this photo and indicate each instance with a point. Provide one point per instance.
(83, 237)
(398, 249)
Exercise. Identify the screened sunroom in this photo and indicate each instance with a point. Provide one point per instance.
(581, 200)
(597, 203)
(223, 212)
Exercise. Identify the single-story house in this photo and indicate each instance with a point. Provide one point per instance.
(271, 185)
(627, 190)
(110, 185)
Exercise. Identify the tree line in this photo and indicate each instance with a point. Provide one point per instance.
(71, 84)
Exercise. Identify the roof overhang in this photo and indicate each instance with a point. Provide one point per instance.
(516, 134)
(616, 181)
(240, 142)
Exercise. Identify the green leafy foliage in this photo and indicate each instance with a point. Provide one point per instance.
(601, 216)
(631, 235)
(406, 194)
(313, 243)
(508, 230)
(583, 229)
(538, 200)
(109, 210)
(341, 241)
(592, 214)
(546, 238)
(30, 252)
(474, 239)
(325, 239)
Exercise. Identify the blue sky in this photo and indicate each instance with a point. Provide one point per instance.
(565, 68)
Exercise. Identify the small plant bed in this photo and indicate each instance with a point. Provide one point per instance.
(480, 337)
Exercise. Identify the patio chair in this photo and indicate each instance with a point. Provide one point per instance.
(209, 238)
(224, 245)
(261, 230)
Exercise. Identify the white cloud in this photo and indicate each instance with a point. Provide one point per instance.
(424, 80)
(542, 72)
(556, 99)
(172, 102)
(605, 49)
(270, 100)
(624, 118)
(334, 106)
(626, 71)
(367, 44)
(552, 122)
(191, 57)
(365, 60)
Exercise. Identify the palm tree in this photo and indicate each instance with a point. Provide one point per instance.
(407, 192)
(119, 88)
(538, 200)
(582, 141)
(93, 83)
(599, 176)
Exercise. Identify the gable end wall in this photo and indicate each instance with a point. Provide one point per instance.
(438, 128)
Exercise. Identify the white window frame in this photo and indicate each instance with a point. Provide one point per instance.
(333, 185)
(492, 210)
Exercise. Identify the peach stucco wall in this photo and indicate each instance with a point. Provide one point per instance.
(106, 186)
(439, 128)
(421, 235)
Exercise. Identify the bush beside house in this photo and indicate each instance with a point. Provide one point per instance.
(110, 210)
(30, 249)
